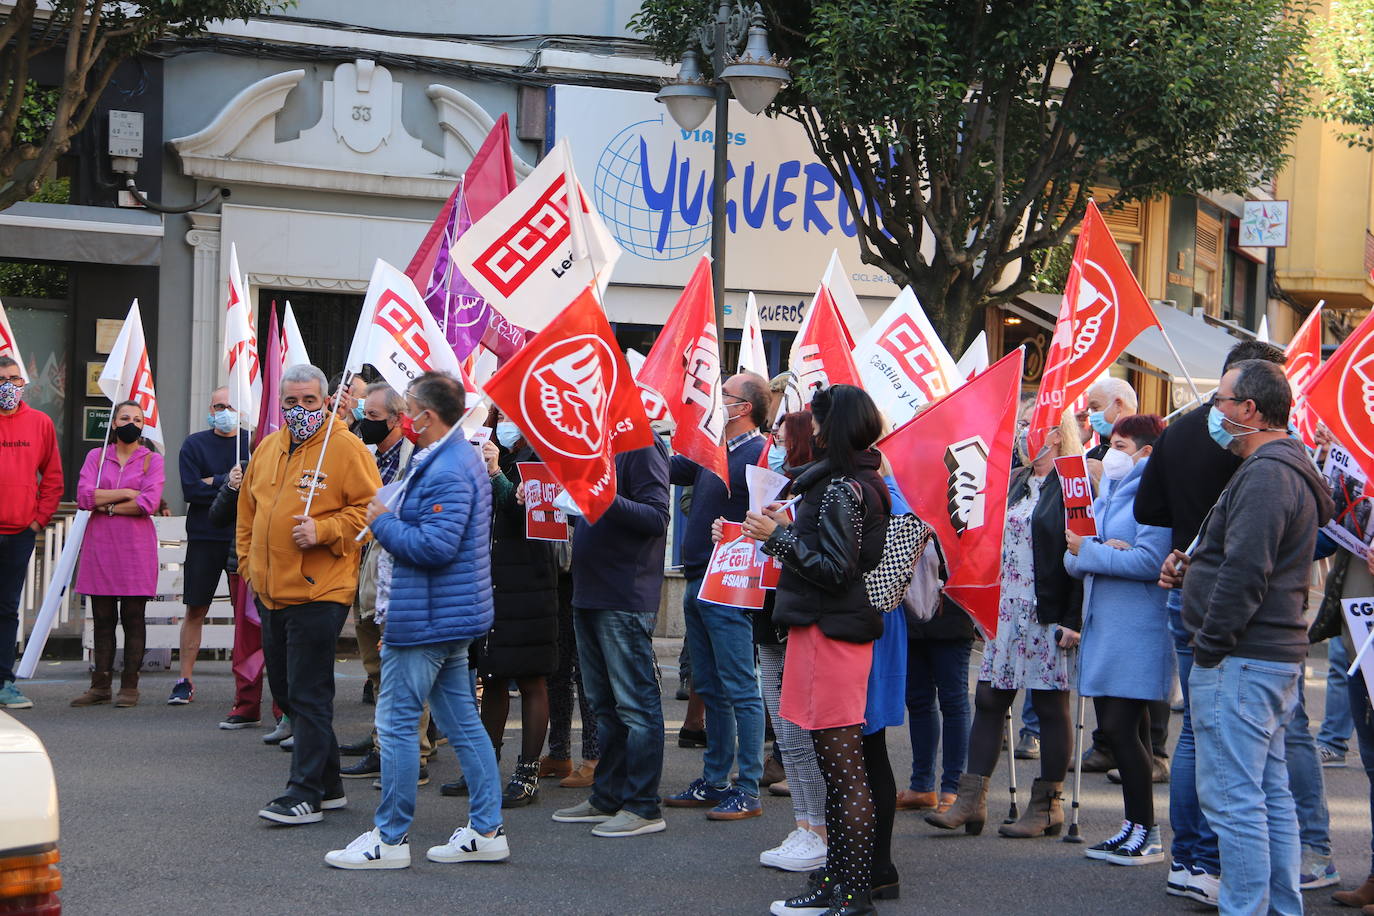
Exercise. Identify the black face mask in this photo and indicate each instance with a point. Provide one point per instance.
(129, 433)
(372, 431)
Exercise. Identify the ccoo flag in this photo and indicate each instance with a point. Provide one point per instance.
(128, 376)
(396, 334)
(903, 362)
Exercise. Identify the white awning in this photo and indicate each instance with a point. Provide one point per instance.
(92, 235)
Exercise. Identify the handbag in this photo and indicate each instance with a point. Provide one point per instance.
(887, 583)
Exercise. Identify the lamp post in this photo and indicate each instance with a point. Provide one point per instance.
(754, 75)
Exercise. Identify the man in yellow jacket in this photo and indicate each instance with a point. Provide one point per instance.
(303, 567)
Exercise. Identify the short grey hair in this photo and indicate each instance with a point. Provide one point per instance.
(304, 372)
(1264, 382)
(395, 404)
(7, 361)
(1113, 388)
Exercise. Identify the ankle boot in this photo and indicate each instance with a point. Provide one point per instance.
(1361, 896)
(1044, 816)
(555, 768)
(128, 688)
(523, 787)
(970, 809)
(99, 691)
(845, 902)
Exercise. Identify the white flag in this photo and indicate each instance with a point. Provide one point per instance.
(293, 345)
(752, 356)
(397, 334)
(975, 359)
(837, 281)
(525, 256)
(903, 362)
(240, 361)
(127, 376)
(9, 346)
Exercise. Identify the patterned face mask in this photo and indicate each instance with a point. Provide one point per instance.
(10, 395)
(303, 423)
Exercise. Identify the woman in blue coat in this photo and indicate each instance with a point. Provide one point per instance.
(1126, 656)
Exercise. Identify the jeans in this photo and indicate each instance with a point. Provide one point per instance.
(437, 673)
(1363, 721)
(1305, 780)
(936, 690)
(1242, 708)
(15, 550)
(1336, 723)
(1195, 843)
(298, 643)
(616, 651)
(1030, 721)
(722, 650)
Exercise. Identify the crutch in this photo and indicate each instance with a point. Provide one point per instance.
(1013, 815)
(1073, 835)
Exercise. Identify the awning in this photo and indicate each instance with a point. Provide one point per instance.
(1201, 346)
(90, 235)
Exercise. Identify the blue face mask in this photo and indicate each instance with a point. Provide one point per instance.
(358, 412)
(1215, 428)
(777, 457)
(507, 433)
(224, 421)
(1098, 421)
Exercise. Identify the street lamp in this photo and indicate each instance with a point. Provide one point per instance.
(755, 76)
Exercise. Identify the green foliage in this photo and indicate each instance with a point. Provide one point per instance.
(35, 279)
(36, 112)
(1345, 50)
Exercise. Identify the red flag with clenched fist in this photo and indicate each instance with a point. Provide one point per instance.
(570, 391)
(969, 433)
(1341, 394)
(1304, 354)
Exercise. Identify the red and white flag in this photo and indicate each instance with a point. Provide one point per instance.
(683, 369)
(752, 355)
(975, 359)
(240, 360)
(269, 408)
(903, 362)
(532, 254)
(969, 435)
(1104, 310)
(9, 346)
(396, 334)
(856, 323)
(821, 355)
(293, 352)
(570, 391)
(128, 376)
(1341, 394)
(1304, 354)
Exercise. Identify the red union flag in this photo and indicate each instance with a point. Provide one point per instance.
(903, 362)
(683, 370)
(821, 354)
(1341, 394)
(570, 391)
(396, 333)
(1304, 356)
(9, 346)
(240, 361)
(1104, 310)
(969, 433)
(127, 375)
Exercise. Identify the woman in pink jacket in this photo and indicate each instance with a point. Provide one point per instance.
(121, 485)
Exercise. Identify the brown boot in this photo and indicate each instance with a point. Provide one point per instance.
(582, 777)
(971, 809)
(553, 767)
(1044, 816)
(1361, 896)
(128, 689)
(911, 800)
(99, 691)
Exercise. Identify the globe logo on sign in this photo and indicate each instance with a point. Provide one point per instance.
(618, 193)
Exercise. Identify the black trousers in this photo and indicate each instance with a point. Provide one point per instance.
(1159, 730)
(298, 644)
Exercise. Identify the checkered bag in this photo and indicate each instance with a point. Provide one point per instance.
(907, 537)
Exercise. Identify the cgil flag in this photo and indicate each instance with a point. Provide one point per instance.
(521, 256)
(128, 376)
(902, 361)
(293, 352)
(821, 355)
(752, 355)
(570, 391)
(9, 345)
(1341, 394)
(683, 371)
(968, 435)
(240, 362)
(1304, 356)
(1104, 309)
(396, 334)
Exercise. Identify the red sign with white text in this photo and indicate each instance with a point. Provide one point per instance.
(1078, 495)
(542, 521)
(734, 577)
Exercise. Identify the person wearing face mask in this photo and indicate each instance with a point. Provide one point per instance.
(1124, 662)
(206, 458)
(302, 563)
(30, 487)
(1110, 400)
(121, 485)
(348, 406)
(1245, 586)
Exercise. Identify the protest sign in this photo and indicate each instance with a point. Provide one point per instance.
(1349, 527)
(1078, 495)
(735, 573)
(543, 521)
(1359, 617)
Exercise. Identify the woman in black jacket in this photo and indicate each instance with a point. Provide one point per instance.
(841, 522)
(1038, 620)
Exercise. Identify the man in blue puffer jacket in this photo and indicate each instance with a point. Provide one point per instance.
(437, 600)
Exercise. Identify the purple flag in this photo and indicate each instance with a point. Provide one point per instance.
(461, 311)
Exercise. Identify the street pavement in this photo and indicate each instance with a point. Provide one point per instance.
(159, 815)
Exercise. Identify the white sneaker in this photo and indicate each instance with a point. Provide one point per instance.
(1177, 885)
(368, 851)
(1317, 870)
(467, 845)
(801, 851)
(1204, 888)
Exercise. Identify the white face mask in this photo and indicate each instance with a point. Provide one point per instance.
(1116, 464)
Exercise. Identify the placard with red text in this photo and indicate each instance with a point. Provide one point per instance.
(542, 521)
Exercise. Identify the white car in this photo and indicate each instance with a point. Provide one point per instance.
(29, 878)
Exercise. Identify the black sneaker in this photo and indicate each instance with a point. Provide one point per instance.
(334, 799)
(691, 737)
(818, 897)
(1101, 850)
(422, 781)
(457, 787)
(182, 693)
(290, 811)
(357, 748)
(371, 765)
(234, 722)
(1143, 847)
(369, 696)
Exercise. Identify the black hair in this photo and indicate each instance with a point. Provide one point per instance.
(1253, 349)
(849, 424)
(441, 393)
(1261, 381)
(149, 444)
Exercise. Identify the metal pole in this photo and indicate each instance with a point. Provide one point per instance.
(1074, 835)
(720, 148)
(1012, 813)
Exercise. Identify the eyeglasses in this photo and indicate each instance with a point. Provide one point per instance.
(1218, 397)
(12, 379)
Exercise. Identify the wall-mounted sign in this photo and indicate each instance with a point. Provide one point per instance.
(1264, 224)
(95, 423)
(93, 370)
(106, 333)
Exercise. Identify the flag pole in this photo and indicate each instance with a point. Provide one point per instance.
(1197, 395)
(315, 479)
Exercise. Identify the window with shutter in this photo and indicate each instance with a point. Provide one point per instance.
(1207, 256)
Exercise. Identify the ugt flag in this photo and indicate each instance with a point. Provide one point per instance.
(1341, 394)
(127, 375)
(570, 391)
(969, 435)
(903, 362)
(397, 334)
(1304, 354)
(1104, 310)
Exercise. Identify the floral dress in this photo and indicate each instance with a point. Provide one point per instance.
(1024, 654)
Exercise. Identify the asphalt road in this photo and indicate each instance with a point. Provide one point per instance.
(159, 814)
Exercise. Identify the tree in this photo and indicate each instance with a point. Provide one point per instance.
(94, 37)
(1345, 50)
(968, 135)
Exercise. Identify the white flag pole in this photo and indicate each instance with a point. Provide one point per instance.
(1359, 656)
(52, 599)
(315, 480)
(1197, 395)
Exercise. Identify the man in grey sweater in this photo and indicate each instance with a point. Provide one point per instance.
(1243, 597)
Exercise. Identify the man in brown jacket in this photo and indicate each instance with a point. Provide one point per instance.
(302, 563)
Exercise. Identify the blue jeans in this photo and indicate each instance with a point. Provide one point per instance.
(1363, 721)
(1195, 844)
(937, 689)
(15, 550)
(1305, 780)
(1336, 723)
(721, 644)
(1030, 722)
(439, 673)
(616, 651)
(1242, 708)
